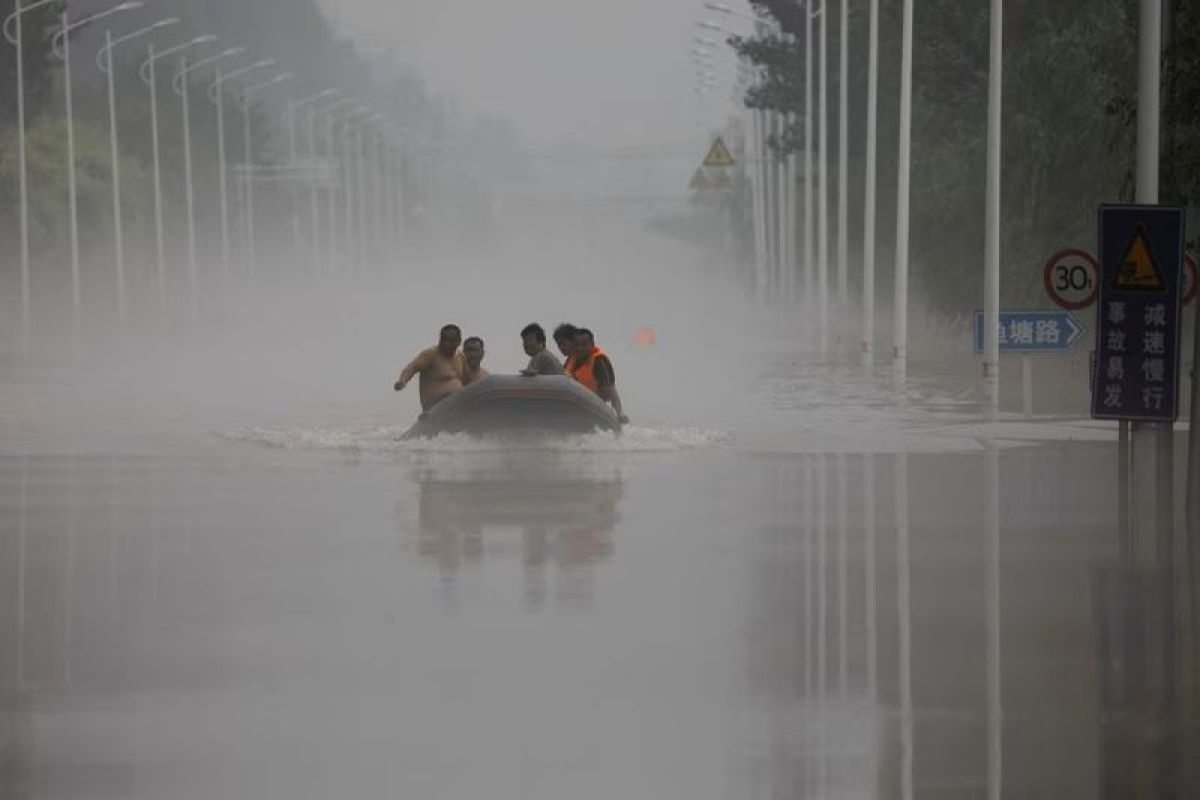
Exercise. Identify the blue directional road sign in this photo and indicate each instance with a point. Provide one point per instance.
(1137, 317)
(1032, 331)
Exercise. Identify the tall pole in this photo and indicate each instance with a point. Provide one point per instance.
(823, 188)
(248, 188)
(118, 240)
(331, 195)
(160, 250)
(900, 342)
(72, 192)
(23, 177)
(290, 108)
(360, 156)
(222, 178)
(315, 220)
(1152, 442)
(757, 209)
(808, 156)
(868, 342)
(193, 300)
(991, 283)
(348, 195)
(843, 158)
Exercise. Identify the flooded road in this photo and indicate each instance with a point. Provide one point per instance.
(704, 621)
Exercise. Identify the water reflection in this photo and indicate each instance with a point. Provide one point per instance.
(556, 519)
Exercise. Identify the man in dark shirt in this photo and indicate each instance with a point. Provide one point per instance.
(564, 337)
(541, 362)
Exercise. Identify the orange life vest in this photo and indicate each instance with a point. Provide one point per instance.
(585, 373)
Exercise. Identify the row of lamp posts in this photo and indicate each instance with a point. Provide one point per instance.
(343, 115)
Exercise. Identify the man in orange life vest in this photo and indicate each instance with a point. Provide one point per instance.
(590, 366)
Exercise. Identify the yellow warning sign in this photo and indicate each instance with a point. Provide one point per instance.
(718, 155)
(1137, 270)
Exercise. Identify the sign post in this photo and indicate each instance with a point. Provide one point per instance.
(1137, 362)
(1028, 332)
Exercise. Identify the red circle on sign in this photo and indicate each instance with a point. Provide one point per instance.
(1189, 278)
(1093, 280)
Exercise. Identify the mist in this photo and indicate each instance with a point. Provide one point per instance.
(786, 531)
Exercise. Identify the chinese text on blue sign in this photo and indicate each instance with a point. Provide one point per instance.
(1137, 319)
(1032, 331)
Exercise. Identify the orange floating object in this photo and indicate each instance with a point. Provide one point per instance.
(644, 336)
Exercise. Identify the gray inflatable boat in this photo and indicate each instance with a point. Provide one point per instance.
(553, 403)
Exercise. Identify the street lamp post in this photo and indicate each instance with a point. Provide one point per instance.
(217, 97)
(326, 111)
(248, 169)
(149, 75)
(868, 336)
(60, 44)
(12, 32)
(181, 87)
(903, 183)
(306, 103)
(104, 61)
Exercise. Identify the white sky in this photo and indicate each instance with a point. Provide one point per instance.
(609, 73)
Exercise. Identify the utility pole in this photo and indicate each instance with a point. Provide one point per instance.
(868, 342)
(991, 282)
(900, 341)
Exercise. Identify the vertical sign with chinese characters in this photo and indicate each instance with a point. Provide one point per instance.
(1137, 318)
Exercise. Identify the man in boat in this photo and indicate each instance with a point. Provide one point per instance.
(541, 362)
(590, 366)
(440, 368)
(564, 337)
(473, 370)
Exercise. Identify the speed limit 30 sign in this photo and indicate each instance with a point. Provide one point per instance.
(1070, 279)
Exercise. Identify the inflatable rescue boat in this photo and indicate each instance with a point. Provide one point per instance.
(553, 403)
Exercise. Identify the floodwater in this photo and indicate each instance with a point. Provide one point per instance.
(822, 591)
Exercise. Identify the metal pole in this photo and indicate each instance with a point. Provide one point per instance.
(223, 176)
(248, 189)
(72, 191)
(23, 178)
(118, 240)
(160, 254)
(823, 188)
(900, 342)
(808, 157)
(992, 625)
(331, 195)
(843, 159)
(291, 131)
(792, 173)
(756, 205)
(868, 342)
(348, 196)
(1152, 474)
(193, 300)
(360, 156)
(991, 260)
(315, 216)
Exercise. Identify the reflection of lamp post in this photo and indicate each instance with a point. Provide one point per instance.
(150, 77)
(105, 62)
(180, 85)
(61, 45)
(248, 210)
(215, 94)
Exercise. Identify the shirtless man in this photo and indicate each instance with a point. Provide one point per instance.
(440, 368)
(473, 370)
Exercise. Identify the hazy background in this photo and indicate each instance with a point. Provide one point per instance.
(602, 74)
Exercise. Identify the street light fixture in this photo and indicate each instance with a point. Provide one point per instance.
(218, 98)
(180, 85)
(149, 76)
(247, 92)
(60, 45)
(13, 33)
(104, 61)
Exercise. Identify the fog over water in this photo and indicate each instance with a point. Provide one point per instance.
(224, 574)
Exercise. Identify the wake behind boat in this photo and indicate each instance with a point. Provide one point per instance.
(552, 403)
